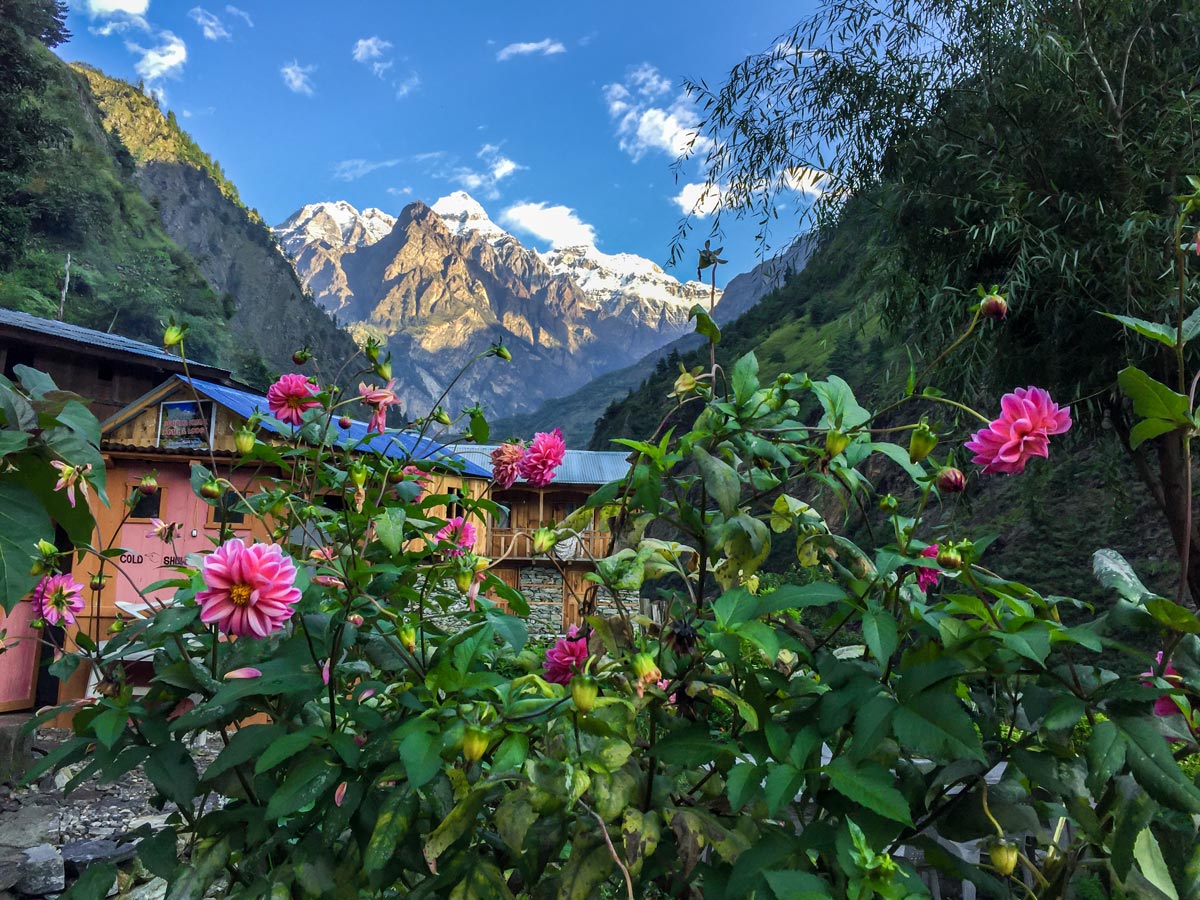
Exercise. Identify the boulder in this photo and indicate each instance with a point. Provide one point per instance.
(16, 747)
(43, 871)
(78, 855)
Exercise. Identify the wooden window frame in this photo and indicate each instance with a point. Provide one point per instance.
(213, 522)
(133, 485)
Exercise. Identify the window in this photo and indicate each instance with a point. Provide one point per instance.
(454, 507)
(147, 507)
(227, 510)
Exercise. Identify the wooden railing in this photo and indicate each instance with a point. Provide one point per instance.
(518, 544)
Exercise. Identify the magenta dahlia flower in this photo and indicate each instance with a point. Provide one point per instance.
(1164, 705)
(290, 396)
(927, 578)
(249, 590)
(543, 458)
(1028, 417)
(380, 399)
(57, 599)
(566, 657)
(459, 532)
(506, 464)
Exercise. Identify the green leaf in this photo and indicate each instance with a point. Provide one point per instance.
(420, 751)
(781, 786)
(1134, 813)
(302, 786)
(790, 885)
(720, 480)
(391, 827)
(1148, 430)
(159, 853)
(1153, 400)
(250, 742)
(109, 725)
(1151, 863)
(172, 772)
(455, 825)
(879, 631)
(640, 833)
(1191, 325)
(693, 745)
(1156, 331)
(23, 522)
(871, 785)
(389, 527)
(1155, 768)
(93, 884)
(514, 817)
(483, 882)
(1173, 616)
(936, 723)
(284, 748)
(1113, 571)
(745, 378)
(704, 324)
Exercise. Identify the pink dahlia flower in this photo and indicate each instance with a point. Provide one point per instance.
(1164, 705)
(250, 590)
(459, 532)
(290, 396)
(566, 657)
(57, 599)
(1028, 417)
(380, 399)
(927, 578)
(543, 457)
(506, 464)
(69, 477)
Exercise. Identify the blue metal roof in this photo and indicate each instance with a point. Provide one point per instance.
(400, 445)
(594, 467)
(11, 318)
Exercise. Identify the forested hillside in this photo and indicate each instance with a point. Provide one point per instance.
(152, 226)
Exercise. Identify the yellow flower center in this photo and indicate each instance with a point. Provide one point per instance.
(240, 594)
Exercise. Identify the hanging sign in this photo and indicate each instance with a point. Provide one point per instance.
(185, 424)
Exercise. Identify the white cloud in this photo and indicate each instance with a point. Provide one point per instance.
(805, 181)
(214, 29)
(698, 200)
(407, 85)
(546, 47)
(241, 14)
(353, 169)
(400, 192)
(496, 168)
(165, 60)
(298, 78)
(645, 123)
(203, 111)
(559, 226)
(109, 7)
(373, 52)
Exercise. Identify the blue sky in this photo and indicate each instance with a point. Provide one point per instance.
(562, 119)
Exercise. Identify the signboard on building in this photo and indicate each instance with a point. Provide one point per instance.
(185, 424)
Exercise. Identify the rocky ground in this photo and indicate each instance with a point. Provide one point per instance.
(47, 839)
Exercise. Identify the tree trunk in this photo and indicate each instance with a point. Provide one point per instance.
(1173, 474)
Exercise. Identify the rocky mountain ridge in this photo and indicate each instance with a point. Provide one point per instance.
(441, 283)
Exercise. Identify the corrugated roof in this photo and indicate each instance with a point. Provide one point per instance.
(12, 318)
(578, 467)
(394, 445)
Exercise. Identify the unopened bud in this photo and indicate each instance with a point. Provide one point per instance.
(441, 416)
(173, 334)
(544, 539)
(463, 579)
(949, 558)
(1003, 854)
(835, 442)
(355, 619)
(475, 743)
(408, 637)
(345, 422)
(383, 368)
(951, 481)
(300, 357)
(993, 306)
(148, 484)
(921, 443)
(211, 489)
(584, 691)
(358, 473)
(244, 440)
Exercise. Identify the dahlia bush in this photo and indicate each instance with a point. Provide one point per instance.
(901, 712)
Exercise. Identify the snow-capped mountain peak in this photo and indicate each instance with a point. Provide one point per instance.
(608, 276)
(462, 213)
(335, 223)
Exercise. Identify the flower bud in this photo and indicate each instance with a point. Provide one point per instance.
(888, 503)
(921, 443)
(441, 416)
(463, 579)
(46, 548)
(148, 484)
(751, 584)
(951, 481)
(243, 440)
(301, 356)
(835, 442)
(372, 350)
(173, 334)
(408, 637)
(383, 368)
(544, 539)
(949, 558)
(38, 568)
(355, 619)
(501, 351)
(1003, 854)
(117, 626)
(345, 422)
(584, 691)
(684, 384)
(481, 564)
(993, 306)
(211, 489)
(475, 743)
(646, 669)
(97, 582)
(358, 473)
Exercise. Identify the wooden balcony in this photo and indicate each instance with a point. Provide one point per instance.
(510, 543)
